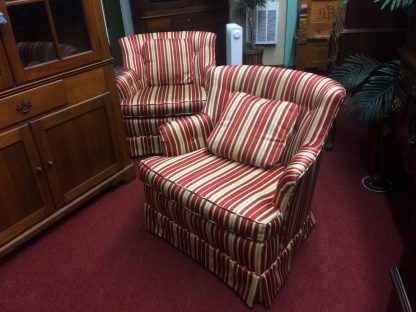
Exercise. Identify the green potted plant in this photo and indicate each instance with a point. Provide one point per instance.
(252, 54)
(370, 84)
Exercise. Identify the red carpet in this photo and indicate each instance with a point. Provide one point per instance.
(101, 258)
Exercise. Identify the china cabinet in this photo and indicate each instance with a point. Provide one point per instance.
(61, 134)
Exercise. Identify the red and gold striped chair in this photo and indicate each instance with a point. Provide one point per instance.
(162, 80)
(243, 221)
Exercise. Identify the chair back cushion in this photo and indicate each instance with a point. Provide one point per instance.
(203, 47)
(168, 61)
(253, 130)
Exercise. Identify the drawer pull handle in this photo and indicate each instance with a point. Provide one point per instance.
(39, 170)
(24, 106)
(397, 104)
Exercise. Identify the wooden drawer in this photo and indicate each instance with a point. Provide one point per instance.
(198, 21)
(25, 105)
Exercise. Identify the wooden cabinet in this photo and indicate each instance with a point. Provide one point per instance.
(61, 135)
(363, 28)
(25, 199)
(173, 15)
(315, 22)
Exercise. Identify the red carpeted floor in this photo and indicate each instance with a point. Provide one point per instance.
(101, 258)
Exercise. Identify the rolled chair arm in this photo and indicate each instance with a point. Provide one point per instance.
(128, 83)
(298, 166)
(186, 134)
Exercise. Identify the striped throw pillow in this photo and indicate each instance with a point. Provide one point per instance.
(253, 130)
(168, 61)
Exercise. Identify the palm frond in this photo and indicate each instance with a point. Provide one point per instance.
(356, 69)
(395, 4)
(373, 100)
(343, 3)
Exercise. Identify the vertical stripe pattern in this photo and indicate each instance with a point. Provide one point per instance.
(203, 46)
(253, 130)
(164, 100)
(251, 287)
(185, 135)
(186, 52)
(168, 61)
(243, 223)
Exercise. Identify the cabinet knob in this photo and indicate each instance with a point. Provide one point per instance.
(50, 163)
(188, 20)
(39, 169)
(24, 106)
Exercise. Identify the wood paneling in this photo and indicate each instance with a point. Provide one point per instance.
(24, 196)
(87, 126)
(25, 105)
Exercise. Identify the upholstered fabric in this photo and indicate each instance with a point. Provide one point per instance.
(253, 130)
(261, 254)
(241, 222)
(35, 52)
(203, 45)
(142, 99)
(250, 286)
(129, 83)
(144, 144)
(236, 196)
(168, 61)
(186, 134)
(162, 101)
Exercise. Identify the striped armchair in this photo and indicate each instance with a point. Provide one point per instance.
(242, 222)
(162, 80)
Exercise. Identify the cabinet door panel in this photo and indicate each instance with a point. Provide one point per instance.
(78, 147)
(24, 196)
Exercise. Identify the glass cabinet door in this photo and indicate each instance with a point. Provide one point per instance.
(43, 37)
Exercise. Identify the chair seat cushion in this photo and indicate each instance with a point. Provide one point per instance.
(172, 100)
(235, 196)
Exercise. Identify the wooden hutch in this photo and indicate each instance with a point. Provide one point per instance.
(361, 27)
(61, 135)
(174, 15)
(404, 124)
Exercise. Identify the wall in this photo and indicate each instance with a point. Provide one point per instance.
(291, 23)
(273, 54)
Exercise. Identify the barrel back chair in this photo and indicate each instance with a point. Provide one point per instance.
(242, 220)
(162, 80)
